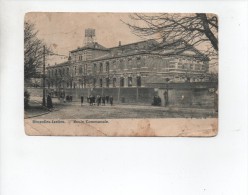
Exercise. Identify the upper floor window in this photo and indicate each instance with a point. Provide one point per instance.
(80, 70)
(101, 68)
(107, 67)
(94, 68)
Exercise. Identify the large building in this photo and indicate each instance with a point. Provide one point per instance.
(138, 64)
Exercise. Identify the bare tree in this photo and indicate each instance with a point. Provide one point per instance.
(199, 30)
(33, 52)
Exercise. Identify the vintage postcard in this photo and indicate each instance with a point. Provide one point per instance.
(121, 74)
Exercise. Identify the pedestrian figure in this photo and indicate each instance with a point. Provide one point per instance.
(103, 100)
(107, 99)
(71, 98)
(49, 101)
(82, 100)
(94, 100)
(111, 100)
(91, 100)
(98, 100)
(165, 98)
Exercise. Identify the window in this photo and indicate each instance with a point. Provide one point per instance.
(101, 68)
(75, 70)
(138, 81)
(121, 64)
(129, 81)
(121, 82)
(107, 82)
(85, 68)
(80, 69)
(114, 82)
(107, 67)
(67, 70)
(94, 68)
(100, 82)
(94, 82)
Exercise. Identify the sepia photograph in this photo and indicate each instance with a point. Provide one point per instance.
(121, 74)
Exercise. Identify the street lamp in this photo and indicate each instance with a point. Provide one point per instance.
(44, 77)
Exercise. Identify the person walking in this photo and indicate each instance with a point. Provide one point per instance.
(103, 100)
(82, 100)
(49, 102)
(99, 100)
(111, 100)
(107, 99)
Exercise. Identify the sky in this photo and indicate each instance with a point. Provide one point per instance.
(65, 31)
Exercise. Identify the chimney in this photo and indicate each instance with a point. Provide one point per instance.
(119, 43)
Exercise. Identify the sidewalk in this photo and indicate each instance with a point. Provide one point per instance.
(36, 109)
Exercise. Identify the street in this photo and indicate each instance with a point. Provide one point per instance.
(74, 110)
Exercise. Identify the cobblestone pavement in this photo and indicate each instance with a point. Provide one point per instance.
(73, 110)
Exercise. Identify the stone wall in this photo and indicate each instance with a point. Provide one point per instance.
(178, 97)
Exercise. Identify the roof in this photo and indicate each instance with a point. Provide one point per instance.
(93, 45)
(179, 47)
(152, 41)
(67, 63)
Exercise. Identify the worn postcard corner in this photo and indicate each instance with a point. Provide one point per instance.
(121, 74)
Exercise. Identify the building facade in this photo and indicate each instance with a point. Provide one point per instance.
(137, 64)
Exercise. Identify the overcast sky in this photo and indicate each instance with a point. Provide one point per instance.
(65, 31)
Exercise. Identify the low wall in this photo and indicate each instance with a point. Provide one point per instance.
(178, 96)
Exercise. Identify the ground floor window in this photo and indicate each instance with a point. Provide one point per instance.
(138, 81)
(114, 82)
(94, 82)
(100, 82)
(107, 82)
(130, 82)
(122, 82)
